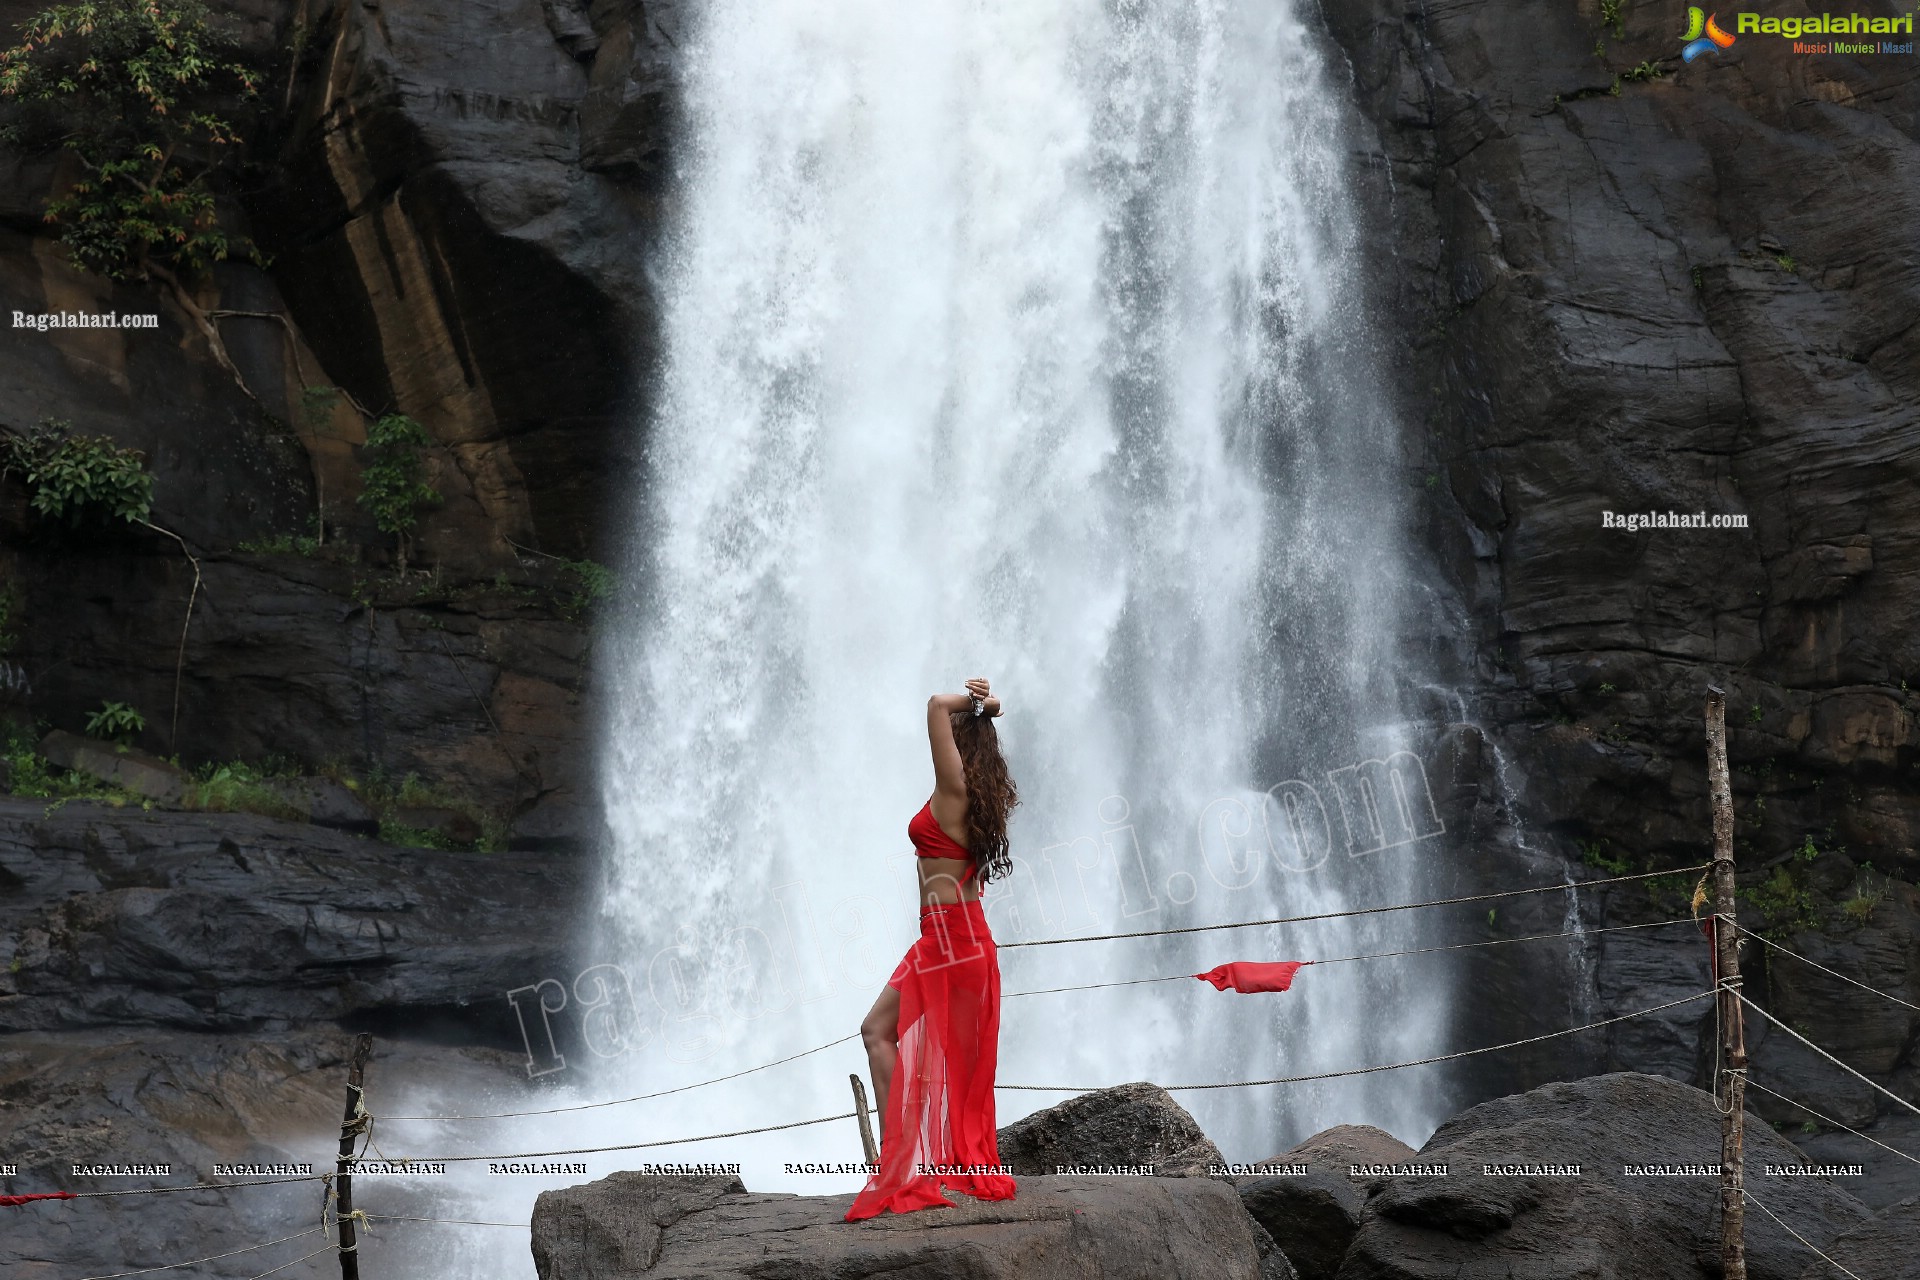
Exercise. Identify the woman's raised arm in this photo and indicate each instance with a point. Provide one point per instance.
(949, 777)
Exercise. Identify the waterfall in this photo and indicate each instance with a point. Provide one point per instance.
(1021, 341)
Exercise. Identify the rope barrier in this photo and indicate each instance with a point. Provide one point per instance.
(463, 1222)
(175, 1266)
(1748, 1197)
(1823, 968)
(196, 1186)
(1793, 1102)
(1358, 911)
(1377, 955)
(1361, 1071)
(1829, 1057)
(641, 1097)
(1014, 995)
(296, 1262)
(627, 1146)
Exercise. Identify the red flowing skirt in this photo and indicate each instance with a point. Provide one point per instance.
(939, 1129)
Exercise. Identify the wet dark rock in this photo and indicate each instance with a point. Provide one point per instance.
(229, 921)
(1647, 294)
(1313, 1217)
(1601, 1225)
(1889, 1245)
(327, 803)
(477, 693)
(1129, 1124)
(127, 767)
(1889, 1179)
(191, 1100)
(678, 1228)
(436, 820)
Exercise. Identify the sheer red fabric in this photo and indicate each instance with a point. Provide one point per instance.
(939, 1128)
(1247, 976)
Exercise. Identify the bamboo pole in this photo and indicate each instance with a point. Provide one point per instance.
(351, 1126)
(866, 1126)
(1733, 1040)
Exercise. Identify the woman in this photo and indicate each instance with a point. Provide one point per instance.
(934, 1034)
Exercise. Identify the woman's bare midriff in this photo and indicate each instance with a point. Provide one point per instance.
(941, 881)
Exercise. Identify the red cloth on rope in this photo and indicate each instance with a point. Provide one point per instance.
(1247, 976)
(939, 1129)
(9, 1202)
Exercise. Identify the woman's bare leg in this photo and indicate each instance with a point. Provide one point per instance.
(880, 1032)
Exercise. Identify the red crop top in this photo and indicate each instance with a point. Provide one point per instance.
(930, 840)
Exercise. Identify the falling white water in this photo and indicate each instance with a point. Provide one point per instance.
(1021, 341)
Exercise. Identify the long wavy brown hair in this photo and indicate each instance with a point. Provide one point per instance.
(991, 795)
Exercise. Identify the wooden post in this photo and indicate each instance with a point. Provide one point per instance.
(1733, 1039)
(866, 1126)
(351, 1126)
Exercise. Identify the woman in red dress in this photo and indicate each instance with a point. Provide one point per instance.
(933, 1036)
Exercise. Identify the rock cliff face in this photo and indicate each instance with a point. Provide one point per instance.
(180, 989)
(1628, 284)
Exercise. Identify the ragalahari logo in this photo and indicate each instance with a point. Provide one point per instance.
(1703, 35)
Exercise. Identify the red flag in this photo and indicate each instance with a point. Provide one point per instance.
(1247, 976)
(9, 1202)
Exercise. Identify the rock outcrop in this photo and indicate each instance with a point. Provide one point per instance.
(1889, 1245)
(679, 1228)
(227, 922)
(1313, 1217)
(1602, 1224)
(1129, 1124)
(1623, 283)
(194, 1101)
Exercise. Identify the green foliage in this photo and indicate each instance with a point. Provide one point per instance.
(1699, 280)
(116, 722)
(316, 406)
(1785, 901)
(585, 584)
(10, 607)
(239, 788)
(79, 478)
(1611, 19)
(34, 775)
(282, 544)
(1645, 71)
(1755, 715)
(1786, 263)
(1606, 689)
(1594, 854)
(127, 87)
(394, 486)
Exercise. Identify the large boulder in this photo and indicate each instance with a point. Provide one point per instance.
(1533, 1219)
(1127, 1125)
(1313, 1216)
(123, 766)
(1889, 1245)
(1064, 1228)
